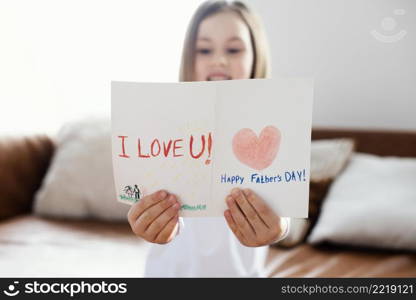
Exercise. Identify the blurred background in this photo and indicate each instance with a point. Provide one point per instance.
(58, 57)
(58, 213)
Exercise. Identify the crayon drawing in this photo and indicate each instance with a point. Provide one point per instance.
(257, 152)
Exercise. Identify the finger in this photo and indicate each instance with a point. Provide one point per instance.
(233, 226)
(139, 207)
(251, 215)
(160, 222)
(262, 209)
(242, 224)
(168, 232)
(150, 214)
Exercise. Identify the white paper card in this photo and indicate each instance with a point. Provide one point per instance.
(199, 140)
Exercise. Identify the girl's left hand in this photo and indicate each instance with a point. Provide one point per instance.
(251, 220)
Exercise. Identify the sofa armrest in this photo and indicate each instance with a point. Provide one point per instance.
(24, 162)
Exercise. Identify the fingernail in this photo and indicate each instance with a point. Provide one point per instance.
(171, 199)
(235, 192)
(163, 194)
(229, 200)
(176, 206)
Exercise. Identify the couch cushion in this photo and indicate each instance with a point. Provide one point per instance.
(36, 247)
(326, 261)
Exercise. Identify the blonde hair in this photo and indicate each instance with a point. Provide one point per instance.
(261, 62)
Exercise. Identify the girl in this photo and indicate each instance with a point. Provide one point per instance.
(224, 41)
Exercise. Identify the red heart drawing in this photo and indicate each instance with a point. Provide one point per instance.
(257, 152)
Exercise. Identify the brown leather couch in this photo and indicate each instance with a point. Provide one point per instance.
(34, 246)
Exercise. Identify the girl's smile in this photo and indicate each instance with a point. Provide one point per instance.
(218, 76)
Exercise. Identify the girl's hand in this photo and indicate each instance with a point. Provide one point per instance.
(155, 217)
(251, 220)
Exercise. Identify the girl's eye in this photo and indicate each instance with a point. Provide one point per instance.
(204, 51)
(234, 50)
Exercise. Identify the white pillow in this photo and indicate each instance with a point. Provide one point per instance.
(372, 203)
(329, 157)
(79, 182)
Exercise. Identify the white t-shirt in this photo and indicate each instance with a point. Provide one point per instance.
(206, 247)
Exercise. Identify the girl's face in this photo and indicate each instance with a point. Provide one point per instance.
(223, 48)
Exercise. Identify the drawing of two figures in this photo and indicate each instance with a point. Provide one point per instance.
(133, 191)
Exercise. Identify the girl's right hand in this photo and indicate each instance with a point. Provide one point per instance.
(155, 217)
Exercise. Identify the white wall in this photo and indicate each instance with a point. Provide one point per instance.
(359, 80)
(57, 58)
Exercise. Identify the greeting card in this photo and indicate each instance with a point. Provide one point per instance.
(199, 140)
